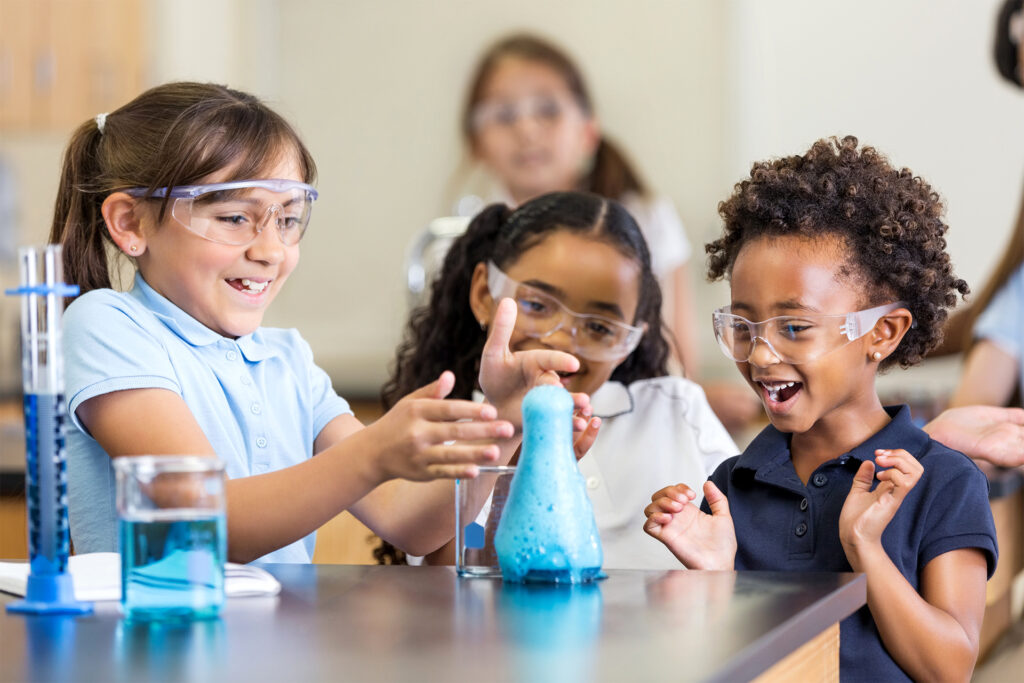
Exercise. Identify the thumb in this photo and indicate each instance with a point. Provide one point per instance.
(439, 388)
(548, 377)
(717, 501)
(501, 329)
(864, 478)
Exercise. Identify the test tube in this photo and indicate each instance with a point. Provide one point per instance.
(42, 291)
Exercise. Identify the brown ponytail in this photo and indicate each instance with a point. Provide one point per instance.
(77, 220)
(611, 174)
(173, 134)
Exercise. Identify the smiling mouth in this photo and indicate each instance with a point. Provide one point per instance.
(778, 394)
(248, 286)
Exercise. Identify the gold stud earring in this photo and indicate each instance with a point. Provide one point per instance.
(134, 248)
(876, 356)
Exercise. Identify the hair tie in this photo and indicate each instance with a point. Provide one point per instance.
(101, 121)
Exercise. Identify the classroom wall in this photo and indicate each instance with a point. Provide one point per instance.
(694, 91)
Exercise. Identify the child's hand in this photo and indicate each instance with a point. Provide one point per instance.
(983, 432)
(412, 437)
(698, 540)
(866, 513)
(505, 377)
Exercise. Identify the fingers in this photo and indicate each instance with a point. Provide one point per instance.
(864, 478)
(587, 437)
(581, 402)
(440, 432)
(449, 410)
(549, 360)
(460, 454)
(548, 377)
(439, 388)
(502, 325)
(678, 492)
(716, 499)
(903, 470)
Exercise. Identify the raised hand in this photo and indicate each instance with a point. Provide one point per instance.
(982, 432)
(697, 539)
(867, 513)
(412, 438)
(505, 377)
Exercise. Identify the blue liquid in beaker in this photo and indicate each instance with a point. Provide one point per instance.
(173, 568)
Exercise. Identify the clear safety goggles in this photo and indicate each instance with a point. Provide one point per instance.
(236, 212)
(794, 339)
(540, 315)
(545, 109)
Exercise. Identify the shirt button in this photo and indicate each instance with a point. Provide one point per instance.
(256, 408)
(261, 467)
(800, 529)
(245, 380)
(803, 504)
(261, 442)
(231, 355)
(593, 483)
(819, 479)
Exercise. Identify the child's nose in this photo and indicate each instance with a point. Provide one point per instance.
(560, 339)
(268, 246)
(762, 354)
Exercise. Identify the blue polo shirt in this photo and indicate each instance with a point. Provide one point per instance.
(783, 525)
(259, 399)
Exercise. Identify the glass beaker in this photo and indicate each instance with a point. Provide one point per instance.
(173, 536)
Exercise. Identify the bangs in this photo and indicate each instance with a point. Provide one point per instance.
(244, 138)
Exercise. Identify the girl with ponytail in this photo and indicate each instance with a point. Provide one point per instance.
(579, 269)
(206, 193)
(529, 123)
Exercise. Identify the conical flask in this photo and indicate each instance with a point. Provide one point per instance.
(547, 530)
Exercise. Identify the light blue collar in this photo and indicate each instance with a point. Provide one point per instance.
(193, 332)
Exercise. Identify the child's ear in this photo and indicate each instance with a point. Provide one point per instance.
(123, 224)
(888, 332)
(480, 300)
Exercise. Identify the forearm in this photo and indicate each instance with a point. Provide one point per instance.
(270, 511)
(927, 642)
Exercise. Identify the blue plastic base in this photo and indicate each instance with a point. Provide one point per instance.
(50, 594)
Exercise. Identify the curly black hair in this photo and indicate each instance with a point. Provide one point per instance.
(445, 335)
(890, 222)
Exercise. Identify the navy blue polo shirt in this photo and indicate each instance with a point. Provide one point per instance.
(784, 525)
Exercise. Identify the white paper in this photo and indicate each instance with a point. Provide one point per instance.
(97, 577)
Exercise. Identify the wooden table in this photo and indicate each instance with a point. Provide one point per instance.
(364, 623)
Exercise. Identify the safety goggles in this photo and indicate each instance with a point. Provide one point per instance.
(236, 212)
(545, 109)
(540, 314)
(794, 339)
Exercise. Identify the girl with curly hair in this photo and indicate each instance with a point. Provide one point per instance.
(838, 269)
(579, 269)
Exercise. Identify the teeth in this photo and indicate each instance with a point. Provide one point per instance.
(775, 387)
(254, 286)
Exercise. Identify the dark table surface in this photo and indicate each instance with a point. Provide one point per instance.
(366, 623)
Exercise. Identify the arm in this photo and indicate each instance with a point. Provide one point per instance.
(932, 634)
(269, 511)
(989, 376)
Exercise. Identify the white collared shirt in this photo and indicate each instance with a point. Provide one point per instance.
(655, 433)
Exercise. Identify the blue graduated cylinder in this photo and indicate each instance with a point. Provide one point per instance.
(547, 531)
